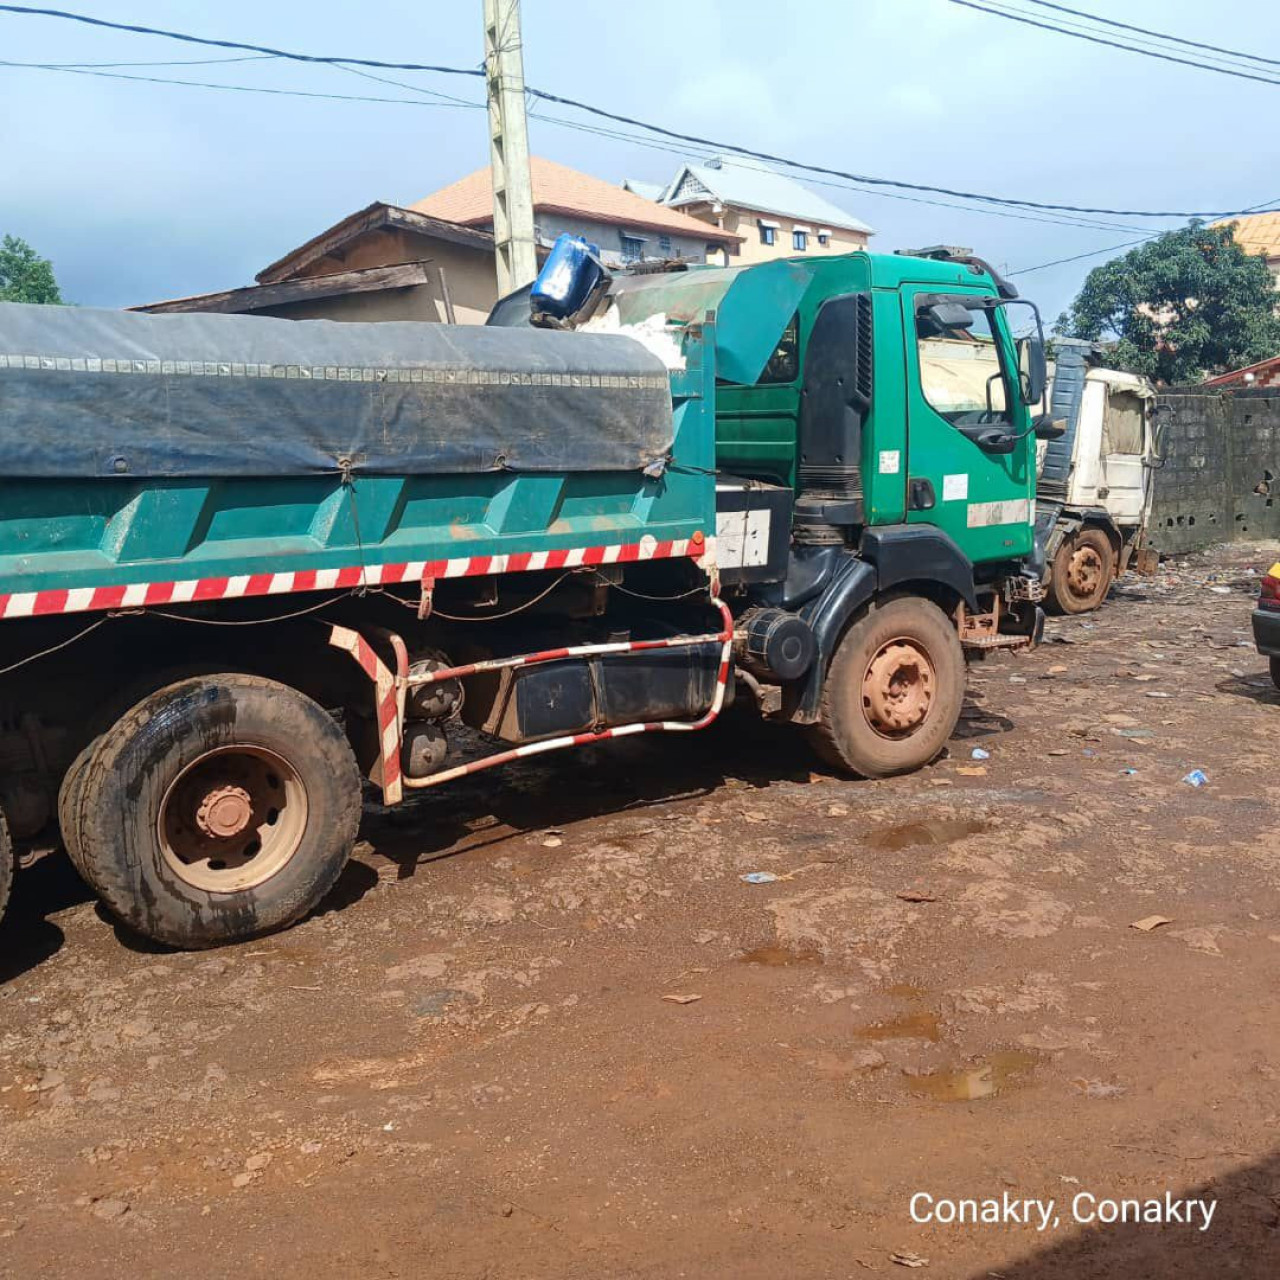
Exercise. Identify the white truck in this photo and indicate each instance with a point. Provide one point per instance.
(1093, 494)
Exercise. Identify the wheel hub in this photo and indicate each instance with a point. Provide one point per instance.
(224, 812)
(232, 818)
(898, 688)
(1084, 571)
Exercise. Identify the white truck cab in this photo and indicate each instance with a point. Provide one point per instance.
(1093, 495)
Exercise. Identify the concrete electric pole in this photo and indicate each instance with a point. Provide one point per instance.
(517, 260)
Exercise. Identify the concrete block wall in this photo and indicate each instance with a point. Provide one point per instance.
(1221, 477)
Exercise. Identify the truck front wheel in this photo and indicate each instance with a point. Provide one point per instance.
(1082, 572)
(217, 809)
(894, 690)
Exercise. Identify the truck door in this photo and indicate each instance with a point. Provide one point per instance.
(961, 384)
(1123, 476)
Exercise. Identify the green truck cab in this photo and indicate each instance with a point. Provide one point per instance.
(251, 566)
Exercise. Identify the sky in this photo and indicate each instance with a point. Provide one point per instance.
(139, 191)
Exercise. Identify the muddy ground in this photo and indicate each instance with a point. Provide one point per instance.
(545, 1028)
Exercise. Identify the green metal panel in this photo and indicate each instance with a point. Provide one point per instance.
(102, 532)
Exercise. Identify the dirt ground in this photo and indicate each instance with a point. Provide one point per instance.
(544, 1027)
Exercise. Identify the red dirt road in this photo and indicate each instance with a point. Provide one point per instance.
(468, 1064)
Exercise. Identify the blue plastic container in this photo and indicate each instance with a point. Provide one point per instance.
(571, 271)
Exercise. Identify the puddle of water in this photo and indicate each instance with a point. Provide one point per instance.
(777, 957)
(928, 831)
(919, 1024)
(984, 1079)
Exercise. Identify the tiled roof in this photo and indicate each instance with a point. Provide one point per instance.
(1257, 232)
(559, 189)
(747, 187)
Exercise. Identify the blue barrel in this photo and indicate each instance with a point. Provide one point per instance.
(571, 271)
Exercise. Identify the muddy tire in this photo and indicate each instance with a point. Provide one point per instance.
(7, 862)
(1083, 569)
(893, 692)
(219, 808)
(69, 809)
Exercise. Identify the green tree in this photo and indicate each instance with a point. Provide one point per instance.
(24, 275)
(1188, 304)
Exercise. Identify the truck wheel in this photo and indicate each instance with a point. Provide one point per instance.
(69, 808)
(217, 809)
(6, 864)
(894, 690)
(1082, 572)
(1274, 664)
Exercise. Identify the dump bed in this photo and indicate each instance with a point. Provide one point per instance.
(157, 458)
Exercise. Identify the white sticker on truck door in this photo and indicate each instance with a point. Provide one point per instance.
(890, 462)
(742, 539)
(955, 488)
(982, 515)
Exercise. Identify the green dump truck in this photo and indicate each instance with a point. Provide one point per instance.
(248, 564)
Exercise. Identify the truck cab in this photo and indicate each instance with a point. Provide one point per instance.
(857, 491)
(1095, 481)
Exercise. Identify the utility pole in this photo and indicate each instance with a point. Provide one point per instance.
(517, 259)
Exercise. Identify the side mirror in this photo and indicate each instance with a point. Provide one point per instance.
(1047, 427)
(943, 317)
(1033, 369)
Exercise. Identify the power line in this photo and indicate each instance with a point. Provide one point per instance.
(1128, 48)
(135, 29)
(618, 118)
(240, 88)
(1163, 35)
(1079, 257)
(1096, 253)
(1135, 44)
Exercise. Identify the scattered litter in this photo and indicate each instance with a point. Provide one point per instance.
(837, 811)
(1147, 923)
(1157, 693)
(1128, 773)
(1090, 752)
(679, 999)
(552, 842)
(1058, 751)
(759, 877)
(972, 771)
(1196, 778)
(1058, 669)
(1066, 1177)
(916, 895)
(1098, 1088)
(1135, 733)
(908, 1260)
(754, 815)
(978, 754)
(1222, 591)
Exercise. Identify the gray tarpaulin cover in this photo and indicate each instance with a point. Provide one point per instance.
(87, 393)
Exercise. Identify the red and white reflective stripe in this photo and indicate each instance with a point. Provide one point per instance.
(724, 638)
(142, 595)
(388, 694)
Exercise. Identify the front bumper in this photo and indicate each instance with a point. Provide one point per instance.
(1266, 631)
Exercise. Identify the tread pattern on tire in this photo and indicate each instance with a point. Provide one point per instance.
(114, 871)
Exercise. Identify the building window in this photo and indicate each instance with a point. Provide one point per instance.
(768, 233)
(632, 247)
(799, 241)
(824, 238)
(664, 246)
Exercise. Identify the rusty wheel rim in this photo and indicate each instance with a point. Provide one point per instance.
(1084, 572)
(897, 688)
(232, 819)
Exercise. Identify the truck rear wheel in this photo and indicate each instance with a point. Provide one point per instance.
(1082, 572)
(894, 690)
(217, 809)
